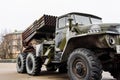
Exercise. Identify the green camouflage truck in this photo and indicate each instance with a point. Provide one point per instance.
(76, 43)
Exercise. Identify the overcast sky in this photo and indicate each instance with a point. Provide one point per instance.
(19, 14)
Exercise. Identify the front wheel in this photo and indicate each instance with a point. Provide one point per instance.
(83, 65)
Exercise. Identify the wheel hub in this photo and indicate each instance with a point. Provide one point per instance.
(30, 63)
(19, 62)
(79, 68)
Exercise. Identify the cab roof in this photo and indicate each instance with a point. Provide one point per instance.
(82, 14)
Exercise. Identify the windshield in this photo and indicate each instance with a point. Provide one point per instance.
(85, 20)
(96, 21)
(79, 19)
(82, 19)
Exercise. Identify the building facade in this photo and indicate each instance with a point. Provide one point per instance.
(12, 44)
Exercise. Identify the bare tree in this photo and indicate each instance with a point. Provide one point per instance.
(4, 42)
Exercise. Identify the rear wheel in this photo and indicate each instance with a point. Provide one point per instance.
(33, 64)
(83, 65)
(21, 63)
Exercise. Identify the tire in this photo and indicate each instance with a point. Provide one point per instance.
(63, 68)
(115, 71)
(33, 64)
(21, 63)
(83, 65)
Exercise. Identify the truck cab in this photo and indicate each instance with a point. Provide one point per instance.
(63, 25)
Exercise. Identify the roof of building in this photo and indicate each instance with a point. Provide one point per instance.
(14, 33)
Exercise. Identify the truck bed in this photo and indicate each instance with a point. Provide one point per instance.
(45, 26)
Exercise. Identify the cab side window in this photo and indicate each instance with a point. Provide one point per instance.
(62, 22)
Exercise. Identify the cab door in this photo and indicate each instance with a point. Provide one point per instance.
(61, 29)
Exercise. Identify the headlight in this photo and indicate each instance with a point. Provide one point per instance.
(110, 41)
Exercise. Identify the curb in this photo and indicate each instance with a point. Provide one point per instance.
(8, 61)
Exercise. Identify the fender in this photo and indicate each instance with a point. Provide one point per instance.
(88, 41)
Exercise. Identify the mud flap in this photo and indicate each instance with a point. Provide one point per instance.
(39, 50)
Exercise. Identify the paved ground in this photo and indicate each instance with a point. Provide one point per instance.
(8, 72)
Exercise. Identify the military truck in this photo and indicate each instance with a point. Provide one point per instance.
(77, 43)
